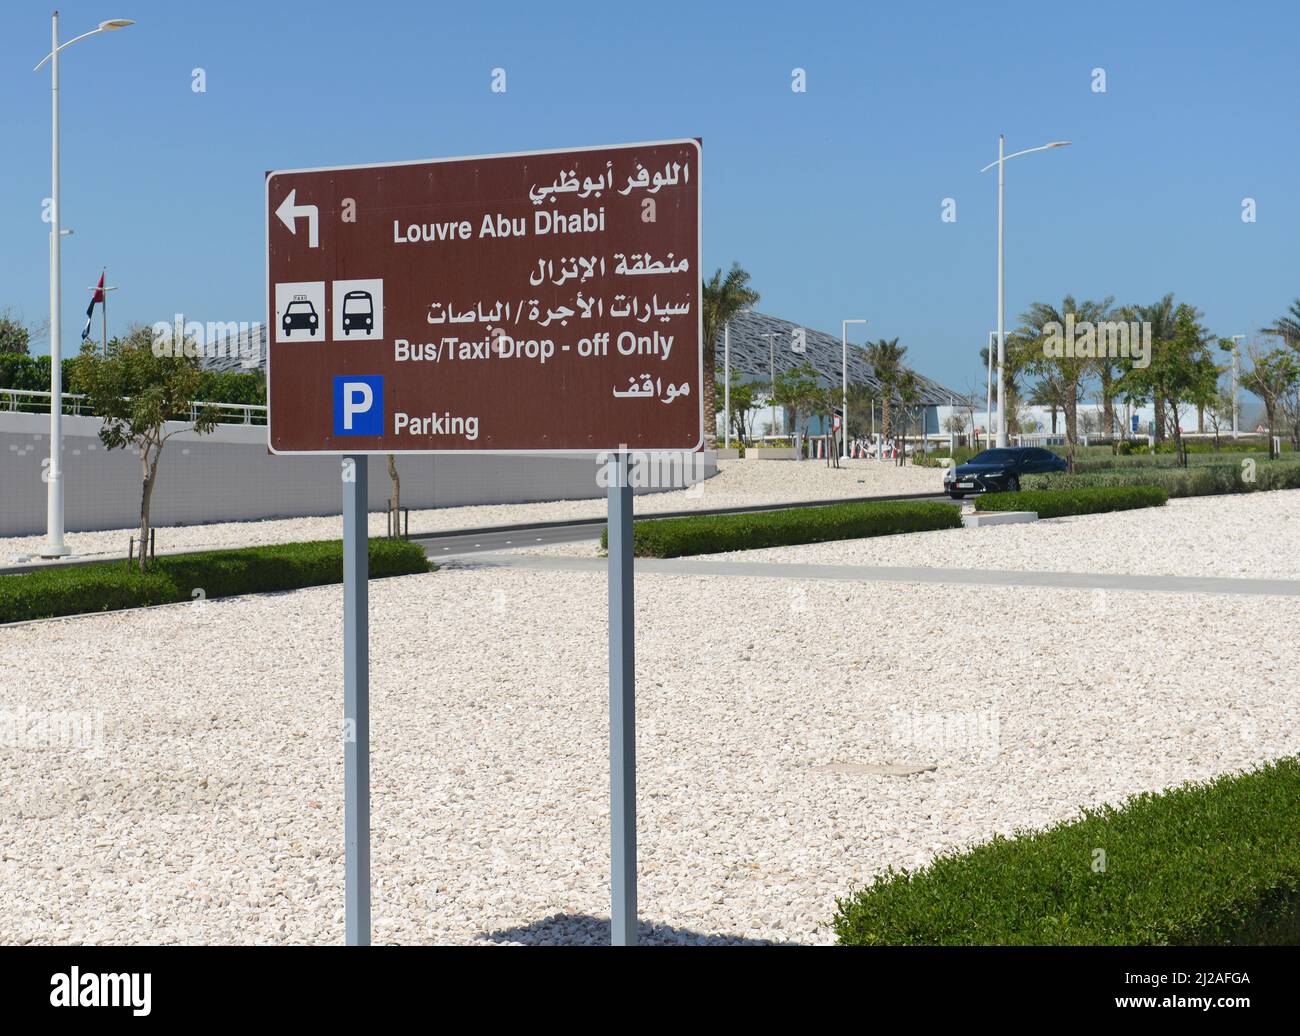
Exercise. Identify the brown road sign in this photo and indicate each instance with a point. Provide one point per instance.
(534, 302)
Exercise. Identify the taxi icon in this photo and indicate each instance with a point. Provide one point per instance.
(300, 315)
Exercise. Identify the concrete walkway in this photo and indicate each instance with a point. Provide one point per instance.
(881, 574)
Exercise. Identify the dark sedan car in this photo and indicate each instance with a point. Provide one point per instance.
(999, 470)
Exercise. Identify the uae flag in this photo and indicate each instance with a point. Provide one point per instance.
(96, 296)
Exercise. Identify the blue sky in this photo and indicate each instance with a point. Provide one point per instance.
(831, 198)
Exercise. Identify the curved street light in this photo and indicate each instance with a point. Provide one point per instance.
(1002, 160)
(54, 546)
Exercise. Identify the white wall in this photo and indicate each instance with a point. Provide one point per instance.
(231, 476)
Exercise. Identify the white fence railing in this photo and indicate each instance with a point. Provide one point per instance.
(29, 401)
(1038, 439)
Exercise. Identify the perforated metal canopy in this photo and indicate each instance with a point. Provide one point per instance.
(752, 356)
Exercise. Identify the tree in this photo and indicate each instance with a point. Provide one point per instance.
(1065, 375)
(721, 298)
(1046, 393)
(801, 392)
(1219, 412)
(908, 391)
(1271, 376)
(1108, 372)
(1181, 371)
(862, 404)
(1017, 357)
(830, 405)
(1163, 317)
(395, 507)
(742, 403)
(14, 335)
(886, 358)
(1288, 326)
(137, 393)
(1291, 412)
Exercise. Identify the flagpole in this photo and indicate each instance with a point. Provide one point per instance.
(103, 279)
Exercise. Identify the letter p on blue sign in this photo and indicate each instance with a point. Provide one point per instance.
(359, 404)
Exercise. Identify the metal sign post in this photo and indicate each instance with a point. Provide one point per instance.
(356, 702)
(622, 707)
(529, 303)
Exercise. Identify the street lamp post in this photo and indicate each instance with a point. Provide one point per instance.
(771, 361)
(726, 380)
(54, 547)
(1003, 159)
(1235, 340)
(988, 403)
(844, 408)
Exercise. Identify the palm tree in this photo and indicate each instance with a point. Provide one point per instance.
(1287, 326)
(1163, 318)
(1064, 375)
(1017, 357)
(1047, 393)
(721, 298)
(886, 357)
(907, 396)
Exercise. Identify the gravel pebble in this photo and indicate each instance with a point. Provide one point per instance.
(213, 811)
(1245, 536)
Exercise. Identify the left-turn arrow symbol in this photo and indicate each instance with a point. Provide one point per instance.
(288, 212)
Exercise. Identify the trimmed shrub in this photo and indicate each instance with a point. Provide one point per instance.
(1278, 475)
(109, 586)
(1166, 461)
(1056, 503)
(959, 456)
(715, 533)
(1213, 863)
(1197, 480)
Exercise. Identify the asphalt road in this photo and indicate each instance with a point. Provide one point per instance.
(476, 542)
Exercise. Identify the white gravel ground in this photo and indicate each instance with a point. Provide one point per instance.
(213, 813)
(1247, 536)
(738, 483)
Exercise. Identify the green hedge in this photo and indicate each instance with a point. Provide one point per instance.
(715, 533)
(1057, 503)
(1214, 863)
(1169, 461)
(1197, 480)
(110, 585)
(959, 456)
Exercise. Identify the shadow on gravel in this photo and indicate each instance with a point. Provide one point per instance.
(585, 930)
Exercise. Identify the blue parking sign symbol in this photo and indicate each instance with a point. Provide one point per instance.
(359, 404)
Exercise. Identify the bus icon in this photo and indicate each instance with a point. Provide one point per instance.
(358, 312)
